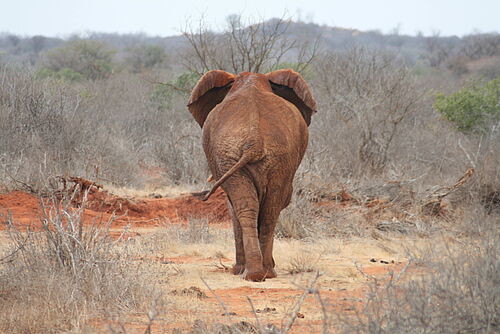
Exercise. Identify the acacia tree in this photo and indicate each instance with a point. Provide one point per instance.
(257, 47)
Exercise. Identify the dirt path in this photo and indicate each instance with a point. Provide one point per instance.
(204, 292)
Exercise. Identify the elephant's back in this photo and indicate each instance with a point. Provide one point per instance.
(283, 130)
(231, 130)
(264, 124)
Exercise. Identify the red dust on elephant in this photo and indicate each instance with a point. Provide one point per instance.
(255, 133)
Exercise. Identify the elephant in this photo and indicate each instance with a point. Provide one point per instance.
(254, 135)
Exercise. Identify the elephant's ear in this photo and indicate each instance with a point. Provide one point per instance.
(292, 87)
(209, 91)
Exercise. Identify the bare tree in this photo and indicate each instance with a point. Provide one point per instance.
(14, 40)
(437, 50)
(257, 47)
(371, 92)
(481, 45)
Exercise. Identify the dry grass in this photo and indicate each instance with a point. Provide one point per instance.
(59, 278)
(152, 190)
(333, 258)
(195, 239)
(458, 294)
(303, 263)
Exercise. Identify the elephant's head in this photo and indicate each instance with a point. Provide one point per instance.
(215, 85)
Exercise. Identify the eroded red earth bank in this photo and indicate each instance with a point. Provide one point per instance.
(25, 209)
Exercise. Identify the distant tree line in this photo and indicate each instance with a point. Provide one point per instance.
(434, 50)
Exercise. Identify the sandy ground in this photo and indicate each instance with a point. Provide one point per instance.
(194, 275)
(200, 288)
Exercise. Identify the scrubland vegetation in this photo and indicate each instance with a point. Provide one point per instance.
(57, 279)
(400, 121)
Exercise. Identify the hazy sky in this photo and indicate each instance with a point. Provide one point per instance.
(166, 17)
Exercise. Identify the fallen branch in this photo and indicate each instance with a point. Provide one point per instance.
(79, 181)
(432, 204)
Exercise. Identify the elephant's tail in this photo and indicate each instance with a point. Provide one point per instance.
(245, 158)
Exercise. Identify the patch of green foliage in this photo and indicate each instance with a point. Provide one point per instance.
(66, 74)
(182, 85)
(474, 109)
(92, 60)
(186, 81)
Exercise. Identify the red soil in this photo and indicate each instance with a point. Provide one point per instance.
(26, 209)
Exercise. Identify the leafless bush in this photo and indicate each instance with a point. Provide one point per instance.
(457, 64)
(60, 277)
(295, 221)
(52, 128)
(458, 294)
(491, 69)
(99, 130)
(315, 210)
(177, 149)
(197, 231)
(370, 96)
(438, 50)
(480, 45)
(376, 131)
(256, 47)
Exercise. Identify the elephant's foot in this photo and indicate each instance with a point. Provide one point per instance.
(238, 269)
(270, 272)
(255, 276)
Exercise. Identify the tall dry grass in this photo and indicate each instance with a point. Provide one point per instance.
(458, 293)
(70, 272)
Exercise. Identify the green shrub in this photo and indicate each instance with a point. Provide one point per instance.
(45, 73)
(91, 59)
(186, 81)
(472, 109)
(182, 85)
(63, 74)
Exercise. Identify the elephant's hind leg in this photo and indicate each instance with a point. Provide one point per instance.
(267, 222)
(266, 239)
(239, 266)
(245, 203)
